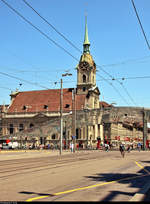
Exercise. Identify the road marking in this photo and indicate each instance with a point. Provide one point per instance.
(86, 187)
(142, 167)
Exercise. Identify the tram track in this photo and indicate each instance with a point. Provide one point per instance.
(28, 166)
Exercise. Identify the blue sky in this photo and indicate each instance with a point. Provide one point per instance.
(117, 46)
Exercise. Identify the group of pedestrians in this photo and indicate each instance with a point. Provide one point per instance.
(129, 148)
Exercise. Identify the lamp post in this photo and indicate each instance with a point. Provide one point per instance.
(74, 119)
(87, 125)
(61, 109)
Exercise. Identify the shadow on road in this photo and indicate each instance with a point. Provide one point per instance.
(113, 194)
(145, 161)
(137, 180)
(40, 194)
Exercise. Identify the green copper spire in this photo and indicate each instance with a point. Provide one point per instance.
(86, 43)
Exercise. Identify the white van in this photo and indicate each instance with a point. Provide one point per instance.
(13, 145)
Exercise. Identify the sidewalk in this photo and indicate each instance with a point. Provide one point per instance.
(18, 154)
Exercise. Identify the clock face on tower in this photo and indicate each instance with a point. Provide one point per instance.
(84, 66)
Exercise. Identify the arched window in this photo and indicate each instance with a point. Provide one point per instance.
(53, 137)
(11, 129)
(31, 125)
(84, 78)
(77, 133)
(84, 89)
(21, 127)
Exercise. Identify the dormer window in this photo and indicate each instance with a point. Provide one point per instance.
(67, 106)
(24, 107)
(45, 107)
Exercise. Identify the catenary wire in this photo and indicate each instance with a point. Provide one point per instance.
(104, 79)
(40, 31)
(29, 82)
(56, 30)
(126, 62)
(114, 89)
(119, 83)
(140, 24)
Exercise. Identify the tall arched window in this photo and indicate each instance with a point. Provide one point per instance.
(31, 125)
(53, 137)
(21, 127)
(11, 129)
(84, 78)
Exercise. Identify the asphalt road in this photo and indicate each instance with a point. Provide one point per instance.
(81, 176)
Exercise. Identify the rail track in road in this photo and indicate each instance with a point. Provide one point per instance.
(26, 165)
(96, 175)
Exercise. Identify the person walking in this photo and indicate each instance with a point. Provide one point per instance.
(128, 149)
(106, 147)
(71, 146)
(139, 146)
(122, 150)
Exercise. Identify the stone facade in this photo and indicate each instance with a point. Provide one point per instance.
(125, 124)
(47, 130)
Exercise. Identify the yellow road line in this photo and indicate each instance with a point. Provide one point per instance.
(82, 188)
(142, 167)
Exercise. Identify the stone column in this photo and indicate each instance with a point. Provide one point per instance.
(96, 131)
(102, 132)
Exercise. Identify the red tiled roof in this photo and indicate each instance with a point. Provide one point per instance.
(104, 104)
(34, 101)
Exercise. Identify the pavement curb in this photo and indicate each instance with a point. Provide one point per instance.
(141, 194)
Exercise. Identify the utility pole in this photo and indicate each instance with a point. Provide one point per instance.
(144, 129)
(87, 126)
(66, 135)
(61, 113)
(61, 109)
(74, 118)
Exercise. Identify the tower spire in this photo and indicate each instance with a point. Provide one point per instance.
(86, 43)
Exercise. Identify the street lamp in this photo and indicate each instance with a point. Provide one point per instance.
(61, 109)
(86, 122)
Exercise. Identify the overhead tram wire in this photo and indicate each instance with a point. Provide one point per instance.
(45, 35)
(58, 82)
(2, 87)
(115, 89)
(140, 24)
(9, 6)
(119, 83)
(52, 26)
(126, 62)
(37, 84)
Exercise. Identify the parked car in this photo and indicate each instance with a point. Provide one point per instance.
(5, 146)
(13, 145)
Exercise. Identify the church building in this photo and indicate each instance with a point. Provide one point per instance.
(28, 110)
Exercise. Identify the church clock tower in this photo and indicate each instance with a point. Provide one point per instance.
(86, 73)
